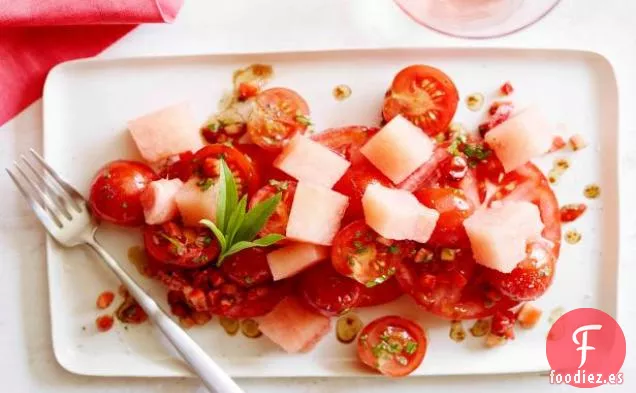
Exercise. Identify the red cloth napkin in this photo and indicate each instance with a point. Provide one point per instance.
(35, 35)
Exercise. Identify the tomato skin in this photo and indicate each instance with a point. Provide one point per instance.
(276, 118)
(244, 171)
(182, 169)
(387, 340)
(424, 95)
(454, 208)
(346, 141)
(199, 246)
(357, 253)
(386, 292)
(115, 191)
(328, 292)
(248, 267)
(277, 222)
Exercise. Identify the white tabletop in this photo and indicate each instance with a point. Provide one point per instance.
(204, 26)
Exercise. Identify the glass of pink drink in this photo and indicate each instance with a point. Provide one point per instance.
(476, 18)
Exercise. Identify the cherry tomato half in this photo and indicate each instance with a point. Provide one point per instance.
(454, 208)
(173, 245)
(392, 345)
(277, 116)
(327, 291)
(206, 162)
(424, 95)
(277, 222)
(346, 141)
(360, 253)
(115, 191)
(248, 267)
(380, 294)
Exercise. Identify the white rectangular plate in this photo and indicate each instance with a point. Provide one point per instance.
(87, 104)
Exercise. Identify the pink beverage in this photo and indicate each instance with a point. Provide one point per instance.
(476, 18)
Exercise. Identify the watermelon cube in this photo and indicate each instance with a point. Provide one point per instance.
(166, 132)
(499, 234)
(307, 160)
(521, 138)
(158, 200)
(290, 260)
(196, 201)
(398, 149)
(397, 214)
(315, 214)
(294, 327)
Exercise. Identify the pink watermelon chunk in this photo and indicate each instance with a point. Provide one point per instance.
(397, 214)
(166, 132)
(293, 326)
(499, 234)
(315, 214)
(158, 200)
(195, 203)
(521, 138)
(398, 149)
(290, 260)
(307, 160)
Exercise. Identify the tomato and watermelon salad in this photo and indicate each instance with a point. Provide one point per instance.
(360, 267)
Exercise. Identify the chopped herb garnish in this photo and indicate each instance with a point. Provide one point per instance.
(379, 280)
(411, 347)
(358, 234)
(205, 184)
(358, 244)
(477, 151)
(179, 248)
(214, 126)
(304, 120)
(279, 185)
(201, 259)
(457, 142)
(207, 240)
(394, 249)
(236, 228)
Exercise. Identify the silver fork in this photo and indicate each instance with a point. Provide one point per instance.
(63, 212)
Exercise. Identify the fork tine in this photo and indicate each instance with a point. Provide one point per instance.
(59, 201)
(45, 218)
(48, 204)
(64, 186)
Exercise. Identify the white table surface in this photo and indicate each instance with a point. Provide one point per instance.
(205, 26)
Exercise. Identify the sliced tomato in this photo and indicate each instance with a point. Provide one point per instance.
(248, 267)
(360, 253)
(328, 292)
(380, 294)
(454, 208)
(173, 245)
(182, 168)
(346, 141)
(454, 288)
(277, 116)
(116, 189)
(532, 277)
(392, 345)
(206, 162)
(277, 222)
(263, 161)
(424, 95)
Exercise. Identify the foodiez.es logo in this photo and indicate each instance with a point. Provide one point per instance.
(586, 348)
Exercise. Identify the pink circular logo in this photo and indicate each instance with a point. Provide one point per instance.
(586, 348)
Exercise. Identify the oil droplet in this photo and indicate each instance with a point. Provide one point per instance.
(480, 328)
(347, 328)
(137, 256)
(249, 328)
(592, 191)
(475, 101)
(230, 325)
(341, 92)
(457, 332)
(572, 236)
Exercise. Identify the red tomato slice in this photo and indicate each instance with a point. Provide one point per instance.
(182, 169)
(380, 294)
(346, 141)
(392, 345)
(277, 116)
(532, 277)
(115, 191)
(327, 291)
(424, 95)
(248, 267)
(263, 161)
(174, 245)
(206, 162)
(454, 208)
(277, 222)
(360, 253)
(455, 288)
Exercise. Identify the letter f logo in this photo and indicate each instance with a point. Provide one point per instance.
(583, 344)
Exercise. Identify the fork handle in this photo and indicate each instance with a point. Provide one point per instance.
(213, 377)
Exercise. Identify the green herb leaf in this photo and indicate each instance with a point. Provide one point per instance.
(179, 247)
(205, 184)
(227, 197)
(411, 347)
(256, 218)
(217, 233)
(477, 151)
(302, 119)
(236, 219)
(243, 245)
(379, 280)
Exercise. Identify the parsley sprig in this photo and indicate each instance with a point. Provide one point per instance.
(236, 227)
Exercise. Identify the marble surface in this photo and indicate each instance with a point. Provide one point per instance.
(26, 358)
